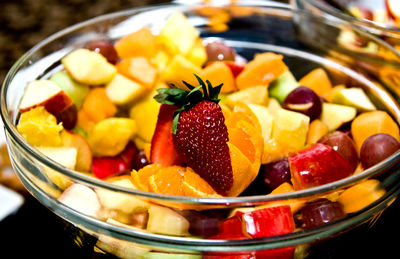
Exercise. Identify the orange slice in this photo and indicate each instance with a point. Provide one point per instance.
(168, 181)
(242, 111)
(141, 178)
(194, 185)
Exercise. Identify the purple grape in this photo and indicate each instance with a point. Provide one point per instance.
(377, 148)
(219, 51)
(139, 160)
(204, 223)
(105, 48)
(68, 117)
(276, 173)
(304, 100)
(319, 212)
(343, 144)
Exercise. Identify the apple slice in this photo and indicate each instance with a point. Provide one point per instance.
(317, 165)
(393, 7)
(88, 67)
(122, 90)
(335, 115)
(84, 155)
(122, 202)
(81, 198)
(354, 97)
(45, 93)
(230, 229)
(166, 221)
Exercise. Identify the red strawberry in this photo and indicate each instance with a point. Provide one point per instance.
(200, 135)
(162, 149)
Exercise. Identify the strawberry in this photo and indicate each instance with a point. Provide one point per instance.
(162, 149)
(199, 132)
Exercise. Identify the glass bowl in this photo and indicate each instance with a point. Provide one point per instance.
(306, 41)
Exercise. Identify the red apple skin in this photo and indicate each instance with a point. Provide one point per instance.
(68, 117)
(268, 222)
(317, 165)
(231, 255)
(278, 253)
(84, 156)
(54, 104)
(230, 229)
(103, 167)
(235, 68)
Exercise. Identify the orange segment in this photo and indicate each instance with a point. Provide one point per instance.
(141, 178)
(243, 173)
(168, 181)
(317, 130)
(194, 185)
(242, 111)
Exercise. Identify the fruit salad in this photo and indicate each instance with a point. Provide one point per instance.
(175, 114)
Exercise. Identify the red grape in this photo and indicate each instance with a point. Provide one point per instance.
(343, 144)
(377, 148)
(219, 51)
(304, 100)
(105, 48)
(319, 212)
(276, 173)
(139, 160)
(203, 223)
(68, 117)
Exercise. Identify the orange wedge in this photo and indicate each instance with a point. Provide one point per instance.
(141, 178)
(168, 181)
(242, 111)
(194, 185)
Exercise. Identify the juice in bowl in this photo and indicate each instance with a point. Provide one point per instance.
(204, 131)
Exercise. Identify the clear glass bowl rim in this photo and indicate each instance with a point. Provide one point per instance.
(366, 24)
(12, 132)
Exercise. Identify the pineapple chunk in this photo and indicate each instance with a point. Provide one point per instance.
(146, 113)
(40, 128)
(178, 35)
(198, 54)
(254, 95)
(180, 69)
(122, 90)
(110, 136)
(165, 221)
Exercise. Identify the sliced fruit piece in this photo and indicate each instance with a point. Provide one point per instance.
(290, 129)
(265, 118)
(317, 130)
(160, 255)
(250, 95)
(373, 122)
(268, 222)
(165, 221)
(242, 168)
(335, 115)
(145, 112)
(138, 69)
(355, 97)
(235, 67)
(178, 70)
(197, 55)
(141, 177)
(107, 166)
(139, 43)
(122, 90)
(88, 67)
(121, 248)
(242, 111)
(76, 91)
(317, 165)
(230, 229)
(219, 73)
(282, 86)
(104, 47)
(305, 101)
(195, 186)
(328, 96)
(178, 35)
(110, 136)
(68, 117)
(40, 128)
(122, 202)
(361, 195)
(163, 151)
(317, 80)
(47, 94)
(262, 70)
(98, 106)
(81, 198)
(168, 181)
(66, 156)
(84, 156)
(393, 8)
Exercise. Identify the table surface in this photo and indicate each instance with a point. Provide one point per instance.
(35, 232)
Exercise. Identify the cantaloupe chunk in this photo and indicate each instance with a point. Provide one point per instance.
(218, 72)
(373, 122)
(138, 43)
(138, 69)
(262, 70)
(318, 81)
(317, 130)
(98, 106)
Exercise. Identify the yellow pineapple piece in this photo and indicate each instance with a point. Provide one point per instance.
(110, 136)
(161, 60)
(178, 35)
(254, 95)
(145, 113)
(198, 54)
(40, 128)
(180, 69)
